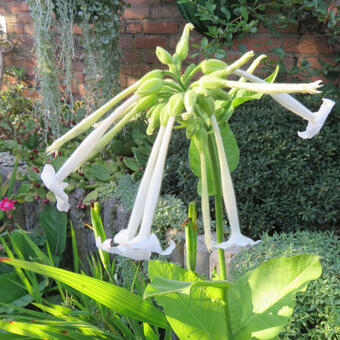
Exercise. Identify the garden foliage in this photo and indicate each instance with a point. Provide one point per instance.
(316, 316)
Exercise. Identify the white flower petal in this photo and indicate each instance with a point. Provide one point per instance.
(235, 242)
(48, 176)
(315, 125)
(152, 244)
(134, 254)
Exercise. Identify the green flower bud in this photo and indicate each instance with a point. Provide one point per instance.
(163, 56)
(212, 65)
(155, 118)
(150, 75)
(149, 86)
(175, 105)
(145, 102)
(190, 100)
(182, 47)
(191, 130)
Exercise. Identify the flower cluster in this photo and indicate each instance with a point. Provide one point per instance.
(202, 107)
(7, 204)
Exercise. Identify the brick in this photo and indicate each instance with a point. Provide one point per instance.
(77, 30)
(258, 43)
(24, 18)
(167, 27)
(18, 7)
(149, 56)
(142, 2)
(15, 29)
(134, 69)
(131, 56)
(12, 19)
(307, 45)
(136, 13)
(150, 42)
(134, 27)
(29, 29)
(165, 11)
(126, 41)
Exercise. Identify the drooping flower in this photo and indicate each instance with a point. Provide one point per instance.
(236, 238)
(315, 119)
(54, 181)
(140, 246)
(7, 204)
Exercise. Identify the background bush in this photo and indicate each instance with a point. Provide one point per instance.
(316, 316)
(282, 183)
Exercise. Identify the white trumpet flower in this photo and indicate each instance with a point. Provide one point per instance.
(236, 238)
(55, 181)
(140, 246)
(315, 119)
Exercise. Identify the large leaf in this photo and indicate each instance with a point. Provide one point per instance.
(118, 299)
(161, 286)
(193, 315)
(231, 149)
(262, 301)
(12, 292)
(54, 223)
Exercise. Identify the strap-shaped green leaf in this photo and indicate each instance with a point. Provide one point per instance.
(117, 298)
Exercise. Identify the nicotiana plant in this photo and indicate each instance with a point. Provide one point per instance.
(173, 99)
(256, 306)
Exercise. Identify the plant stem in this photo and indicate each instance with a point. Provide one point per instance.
(218, 204)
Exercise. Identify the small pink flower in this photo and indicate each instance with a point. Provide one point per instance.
(6, 204)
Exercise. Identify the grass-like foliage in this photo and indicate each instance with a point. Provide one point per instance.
(317, 310)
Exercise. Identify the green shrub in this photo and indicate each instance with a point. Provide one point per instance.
(282, 183)
(317, 311)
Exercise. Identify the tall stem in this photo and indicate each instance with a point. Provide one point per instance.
(218, 204)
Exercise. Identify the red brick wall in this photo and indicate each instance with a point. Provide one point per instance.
(150, 23)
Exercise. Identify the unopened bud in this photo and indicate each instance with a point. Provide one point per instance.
(163, 56)
(190, 100)
(182, 47)
(150, 86)
(212, 65)
(175, 105)
(211, 82)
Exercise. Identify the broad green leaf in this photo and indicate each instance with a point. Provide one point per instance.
(54, 224)
(191, 316)
(97, 171)
(262, 301)
(161, 286)
(131, 163)
(118, 299)
(91, 196)
(12, 292)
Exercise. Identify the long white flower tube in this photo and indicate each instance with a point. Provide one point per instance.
(128, 234)
(87, 122)
(315, 119)
(236, 238)
(144, 239)
(54, 181)
(141, 246)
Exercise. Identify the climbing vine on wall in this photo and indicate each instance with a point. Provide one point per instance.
(56, 48)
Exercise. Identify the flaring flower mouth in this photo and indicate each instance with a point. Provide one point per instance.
(136, 249)
(49, 178)
(235, 242)
(316, 122)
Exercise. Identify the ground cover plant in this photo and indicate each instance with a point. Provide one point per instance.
(256, 305)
